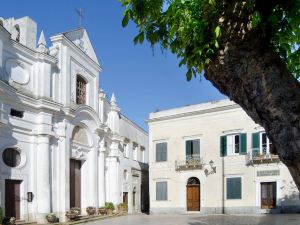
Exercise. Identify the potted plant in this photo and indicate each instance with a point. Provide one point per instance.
(91, 211)
(51, 218)
(12, 221)
(102, 211)
(122, 208)
(109, 207)
(73, 213)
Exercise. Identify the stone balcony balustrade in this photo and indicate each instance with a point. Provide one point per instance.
(192, 162)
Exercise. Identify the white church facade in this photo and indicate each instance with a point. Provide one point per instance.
(62, 142)
(211, 158)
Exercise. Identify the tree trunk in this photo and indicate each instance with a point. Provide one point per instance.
(250, 73)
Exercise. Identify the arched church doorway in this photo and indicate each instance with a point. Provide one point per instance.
(193, 194)
(80, 139)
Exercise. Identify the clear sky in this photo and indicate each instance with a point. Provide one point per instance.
(143, 80)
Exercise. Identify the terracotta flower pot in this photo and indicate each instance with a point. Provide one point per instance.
(51, 218)
(102, 211)
(109, 212)
(91, 211)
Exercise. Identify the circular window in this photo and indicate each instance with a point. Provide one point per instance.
(11, 157)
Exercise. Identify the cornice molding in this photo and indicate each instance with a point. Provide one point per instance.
(193, 113)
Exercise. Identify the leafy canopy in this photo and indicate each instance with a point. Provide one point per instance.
(192, 30)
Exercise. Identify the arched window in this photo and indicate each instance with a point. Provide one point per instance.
(193, 181)
(17, 33)
(80, 90)
(11, 157)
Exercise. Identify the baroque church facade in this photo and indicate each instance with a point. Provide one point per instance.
(63, 144)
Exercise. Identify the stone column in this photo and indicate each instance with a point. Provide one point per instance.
(101, 173)
(114, 173)
(43, 177)
(93, 175)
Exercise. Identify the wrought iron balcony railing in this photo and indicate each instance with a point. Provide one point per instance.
(192, 162)
(256, 157)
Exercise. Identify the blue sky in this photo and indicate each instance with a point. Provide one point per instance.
(143, 81)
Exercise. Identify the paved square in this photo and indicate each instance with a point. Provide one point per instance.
(279, 219)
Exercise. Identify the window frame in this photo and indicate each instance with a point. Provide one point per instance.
(156, 191)
(261, 143)
(232, 151)
(185, 146)
(226, 187)
(79, 100)
(155, 152)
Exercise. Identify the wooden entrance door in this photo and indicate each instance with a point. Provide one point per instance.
(193, 197)
(268, 195)
(125, 198)
(75, 183)
(12, 198)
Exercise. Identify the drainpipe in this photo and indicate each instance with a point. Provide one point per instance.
(223, 187)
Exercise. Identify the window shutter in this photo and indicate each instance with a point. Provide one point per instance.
(223, 146)
(255, 142)
(234, 188)
(243, 144)
(188, 148)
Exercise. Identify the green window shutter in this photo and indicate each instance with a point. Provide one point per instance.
(188, 148)
(223, 146)
(255, 142)
(243, 144)
(234, 188)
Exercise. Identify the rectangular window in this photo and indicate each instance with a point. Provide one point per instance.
(162, 191)
(16, 113)
(234, 188)
(233, 144)
(265, 144)
(192, 149)
(142, 154)
(161, 152)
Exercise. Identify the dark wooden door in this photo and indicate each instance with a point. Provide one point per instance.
(75, 183)
(193, 197)
(12, 198)
(268, 195)
(125, 197)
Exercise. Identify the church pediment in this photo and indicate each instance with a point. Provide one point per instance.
(81, 39)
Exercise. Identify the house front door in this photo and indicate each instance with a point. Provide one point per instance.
(193, 197)
(75, 183)
(12, 198)
(268, 195)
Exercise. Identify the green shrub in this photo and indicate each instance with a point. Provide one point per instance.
(109, 205)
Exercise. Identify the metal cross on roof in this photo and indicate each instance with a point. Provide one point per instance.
(80, 16)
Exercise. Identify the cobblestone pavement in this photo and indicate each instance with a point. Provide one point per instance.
(279, 219)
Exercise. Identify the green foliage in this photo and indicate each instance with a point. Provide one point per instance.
(192, 29)
(109, 205)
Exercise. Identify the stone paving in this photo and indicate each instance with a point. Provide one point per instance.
(279, 219)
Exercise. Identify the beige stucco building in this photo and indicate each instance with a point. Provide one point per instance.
(212, 158)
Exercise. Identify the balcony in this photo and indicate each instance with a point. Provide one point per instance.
(192, 162)
(256, 157)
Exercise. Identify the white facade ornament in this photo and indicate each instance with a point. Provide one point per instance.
(42, 44)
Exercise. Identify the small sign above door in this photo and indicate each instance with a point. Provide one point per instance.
(265, 173)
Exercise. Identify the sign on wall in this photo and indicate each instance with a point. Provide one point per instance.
(265, 173)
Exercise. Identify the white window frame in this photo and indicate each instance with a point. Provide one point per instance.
(260, 143)
(231, 151)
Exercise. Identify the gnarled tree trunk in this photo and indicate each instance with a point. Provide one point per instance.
(248, 71)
